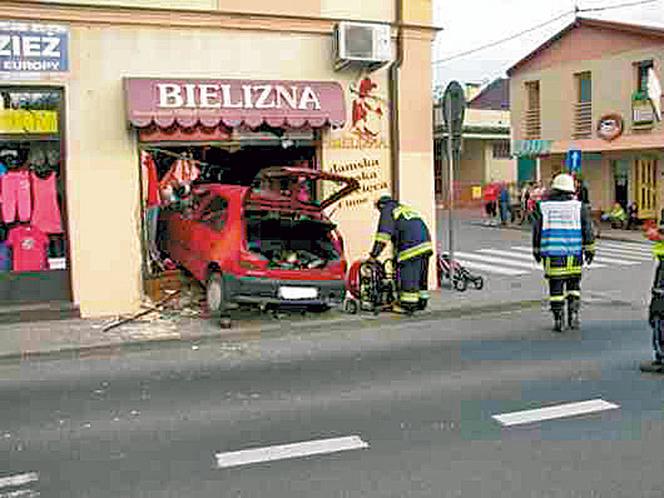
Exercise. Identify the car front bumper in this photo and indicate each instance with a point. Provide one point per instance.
(264, 291)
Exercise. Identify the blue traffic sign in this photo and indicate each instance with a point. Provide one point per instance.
(573, 160)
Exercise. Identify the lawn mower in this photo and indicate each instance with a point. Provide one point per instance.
(456, 274)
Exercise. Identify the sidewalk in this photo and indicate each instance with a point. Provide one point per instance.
(86, 338)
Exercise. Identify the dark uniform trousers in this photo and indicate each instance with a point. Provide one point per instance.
(413, 278)
(564, 276)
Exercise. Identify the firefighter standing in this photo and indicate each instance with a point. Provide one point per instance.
(562, 238)
(412, 244)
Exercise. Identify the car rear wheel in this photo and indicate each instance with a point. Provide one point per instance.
(214, 292)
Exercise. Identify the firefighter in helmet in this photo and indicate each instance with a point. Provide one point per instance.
(562, 239)
(410, 237)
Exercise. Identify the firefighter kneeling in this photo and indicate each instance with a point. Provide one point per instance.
(412, 244)
(562, 236)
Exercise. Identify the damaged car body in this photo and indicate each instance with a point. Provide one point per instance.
(268, 244)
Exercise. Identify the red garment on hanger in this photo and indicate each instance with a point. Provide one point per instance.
(15, 187)
(46, 211)
(29, 246)
(150, 175)
(182, 171)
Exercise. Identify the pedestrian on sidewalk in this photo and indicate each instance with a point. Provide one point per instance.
(490, 201)
(562, 238)
(504, 203)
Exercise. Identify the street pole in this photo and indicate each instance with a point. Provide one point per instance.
(450, 194)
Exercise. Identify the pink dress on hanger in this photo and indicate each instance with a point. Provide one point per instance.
(46, 212)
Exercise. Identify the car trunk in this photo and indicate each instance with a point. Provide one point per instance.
(288, 242)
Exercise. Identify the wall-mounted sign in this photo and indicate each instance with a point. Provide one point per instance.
(33, 48)
(610, 127)
(234, 102)
(28, 121)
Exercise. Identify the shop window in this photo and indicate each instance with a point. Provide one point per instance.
(533, 125)
(501, 149)
(583, 111)
(32, 222)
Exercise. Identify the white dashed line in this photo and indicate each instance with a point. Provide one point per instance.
(286, 451)
(554, 412)
(18, 479)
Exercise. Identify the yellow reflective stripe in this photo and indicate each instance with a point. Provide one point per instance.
(424, 295)
(409, 297)
(382, 237)
(574, 293)
(413, 252)
(589, 247)
(658, 249)
(405, 211)
(557, 299)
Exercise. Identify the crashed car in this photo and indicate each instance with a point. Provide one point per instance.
(268, 244)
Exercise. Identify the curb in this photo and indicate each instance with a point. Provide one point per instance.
(248, 333)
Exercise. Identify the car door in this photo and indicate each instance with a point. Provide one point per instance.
(181, 228)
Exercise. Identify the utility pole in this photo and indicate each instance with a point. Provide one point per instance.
(454, 106)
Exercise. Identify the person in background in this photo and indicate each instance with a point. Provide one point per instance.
(525, 198)
(504, 203)
(490, 200)
(617, 216)
(632, 215)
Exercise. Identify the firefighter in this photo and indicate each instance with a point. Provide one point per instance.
(562, 238)
(412, 244)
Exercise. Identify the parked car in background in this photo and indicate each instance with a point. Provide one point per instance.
(268, 244)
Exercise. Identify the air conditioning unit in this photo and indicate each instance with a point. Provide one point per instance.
(362, 45)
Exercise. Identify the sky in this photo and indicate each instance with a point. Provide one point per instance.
(468, 24)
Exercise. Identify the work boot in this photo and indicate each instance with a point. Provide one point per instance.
(573, 315)
(558, 319)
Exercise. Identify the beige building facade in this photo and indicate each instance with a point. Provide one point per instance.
(594, 88)
(110, 42)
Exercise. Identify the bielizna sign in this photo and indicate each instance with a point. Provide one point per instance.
(29, 47)
(233, 102)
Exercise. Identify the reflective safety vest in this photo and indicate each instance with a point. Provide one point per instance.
(658, 249)
(406, 229)
(561, 229)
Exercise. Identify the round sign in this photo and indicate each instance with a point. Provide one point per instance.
(610, 127)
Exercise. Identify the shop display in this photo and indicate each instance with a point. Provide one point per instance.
(29, 246)
(31, 220)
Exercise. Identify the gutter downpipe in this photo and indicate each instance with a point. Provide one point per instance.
(395, 149)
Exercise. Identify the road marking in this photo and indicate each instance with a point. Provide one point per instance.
(18, 479)
(624, 253)
(490, 269)
(554, 412)
(490, 259)
(286, 451)
(525, 254)
(642, 248)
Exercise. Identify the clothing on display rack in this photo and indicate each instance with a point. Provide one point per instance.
(46, 212)
(5, 259)
(15, 188)
(151, 179)
(29, 246)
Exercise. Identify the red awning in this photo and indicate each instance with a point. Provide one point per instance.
(230, 103)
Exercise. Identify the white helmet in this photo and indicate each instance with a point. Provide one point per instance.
(564, 183)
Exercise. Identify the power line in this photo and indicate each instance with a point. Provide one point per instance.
(576, 10)
(617, 6)
(509, 38)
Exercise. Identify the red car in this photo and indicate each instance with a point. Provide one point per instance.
(269, 244)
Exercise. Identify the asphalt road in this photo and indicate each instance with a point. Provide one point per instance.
(420, 395)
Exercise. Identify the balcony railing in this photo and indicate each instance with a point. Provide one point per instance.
(583, 120)
(533, 124)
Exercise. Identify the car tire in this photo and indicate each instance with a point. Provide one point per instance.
(214, 293)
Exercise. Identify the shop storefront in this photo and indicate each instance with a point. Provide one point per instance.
(231, 102)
